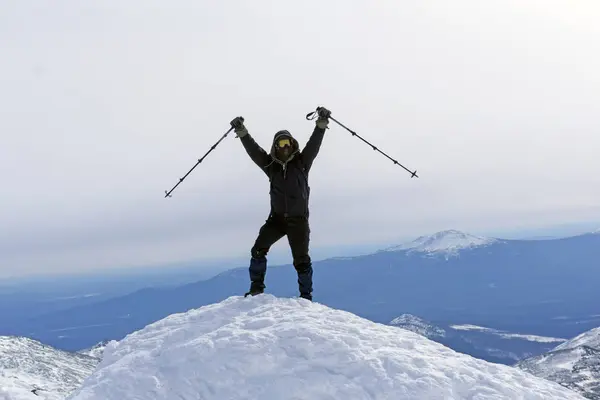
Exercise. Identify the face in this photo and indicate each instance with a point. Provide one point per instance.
(283, 148)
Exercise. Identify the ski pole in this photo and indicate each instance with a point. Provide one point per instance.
(168, 194)
(313, 114)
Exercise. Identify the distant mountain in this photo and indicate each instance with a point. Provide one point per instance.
(507, 335)
(546, 288)
(480, 342)
(574, 364)
(30, 369)
(418, 325)
(449, 243)
(589, 338)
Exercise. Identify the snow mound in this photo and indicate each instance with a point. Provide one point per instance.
(589, 338)
(32, 370)
(266, 347)
(448, 242)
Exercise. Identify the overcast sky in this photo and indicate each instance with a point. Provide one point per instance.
(104, 105)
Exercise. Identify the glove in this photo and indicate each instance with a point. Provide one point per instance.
(238, 126)
(323, 119)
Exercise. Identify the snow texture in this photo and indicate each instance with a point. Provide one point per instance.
(418, 325)
(577, 368)
(265, 347)
(574, 364)
(448, 243)
(589, 338)
(32, 370)
(95, 351)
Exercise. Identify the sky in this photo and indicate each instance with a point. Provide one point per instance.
(104, 105)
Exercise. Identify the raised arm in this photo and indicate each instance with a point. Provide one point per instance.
(314, 142)
(256, 153)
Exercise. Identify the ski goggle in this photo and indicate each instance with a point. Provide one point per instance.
(284, 142)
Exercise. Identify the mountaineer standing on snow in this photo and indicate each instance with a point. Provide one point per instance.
(287, 168)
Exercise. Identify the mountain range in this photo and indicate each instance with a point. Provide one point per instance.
(545, 288)
(31, 370)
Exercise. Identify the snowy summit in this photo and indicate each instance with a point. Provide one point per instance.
(448, 242)
(266, 347)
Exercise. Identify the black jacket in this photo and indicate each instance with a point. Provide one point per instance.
(289, 189)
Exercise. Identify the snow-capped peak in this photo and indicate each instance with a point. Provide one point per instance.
(264, 347)
(448, 242)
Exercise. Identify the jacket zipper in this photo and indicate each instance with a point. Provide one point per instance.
(285, 214)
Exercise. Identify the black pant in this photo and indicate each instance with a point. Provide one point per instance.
(298, 232)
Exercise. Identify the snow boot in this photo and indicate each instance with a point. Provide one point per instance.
(306, 296)
(255, 288)
(305, 285)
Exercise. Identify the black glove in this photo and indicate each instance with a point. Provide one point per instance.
(238, 126)
(323, 112)
(323, 119)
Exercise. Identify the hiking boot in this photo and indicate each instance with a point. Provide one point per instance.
(306, 296)
(255, 288)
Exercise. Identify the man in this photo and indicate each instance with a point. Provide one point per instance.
(287, 169)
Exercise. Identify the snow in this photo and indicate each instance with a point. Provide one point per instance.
(448, 242)
(589, 338)
(27, 365)
(469, 327)
(555, 360)
(265, 347)
(576, 368)
(22, 388)
(504, 335)
(574, 364)
(418, 325)
(531, 338)
(95, 351)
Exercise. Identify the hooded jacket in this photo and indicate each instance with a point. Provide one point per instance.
(289, 189)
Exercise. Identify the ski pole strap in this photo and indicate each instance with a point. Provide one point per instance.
(311, 115)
